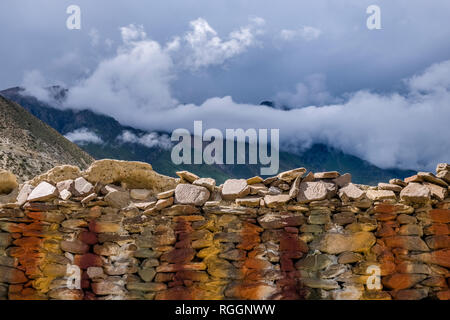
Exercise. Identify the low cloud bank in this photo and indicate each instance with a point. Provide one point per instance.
(83, 135)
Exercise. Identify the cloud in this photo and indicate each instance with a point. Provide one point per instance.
(131, 85)
(388, 130)
(435, 78)
(313, 91)
(150, 140)
(204, 47)
(94, 35)
(35, 84)
(83, 135)
(406, 130)
(307, 33)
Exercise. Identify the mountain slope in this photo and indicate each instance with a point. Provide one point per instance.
(317, 158)
(29, 147)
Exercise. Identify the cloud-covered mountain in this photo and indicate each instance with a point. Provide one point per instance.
(104, 137)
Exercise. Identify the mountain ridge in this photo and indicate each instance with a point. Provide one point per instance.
(28, 146)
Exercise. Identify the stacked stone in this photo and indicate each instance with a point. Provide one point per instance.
(124, 232)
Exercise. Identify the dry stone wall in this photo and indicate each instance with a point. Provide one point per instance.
(119, 230)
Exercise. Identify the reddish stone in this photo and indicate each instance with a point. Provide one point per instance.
(249, 241)
(88, 260)
(254, 263)
(179, 255)
(437, 229)
(12, 275)
(28, 242)
(400, 281)
(388, 208)
(385, 216)
(291, 229)
(192, 275)
(88, 237)
(438, 242)
(441, 257)
(249, 228)
(440, 215)
(291, 242)
(412, 294)
(286, 263)
(175, 283)
(385, 231)
(443, 295)
(185, 243)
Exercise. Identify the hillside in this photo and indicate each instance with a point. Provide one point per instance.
(29, 147)
(317, 158)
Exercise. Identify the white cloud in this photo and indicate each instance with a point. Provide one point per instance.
(307, 33)
(150, 140)
(435, 78)
(206, 48)
(35, 84)
(133, 33)
(131, 85)
(83, 135)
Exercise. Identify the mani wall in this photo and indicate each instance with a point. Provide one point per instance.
(119, 230)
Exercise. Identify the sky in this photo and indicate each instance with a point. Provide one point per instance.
(382, 95)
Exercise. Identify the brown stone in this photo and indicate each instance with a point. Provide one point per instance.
(187, 176)
(277, 200)
(104, 288)
(12, 275)
(66, 294)
(290, 175)
(407, 242)
(249, 201)
(88, 260)
(182, 255)
(388, 186)
(8, 182)
(335, 243)
(439, 257)
(75, 246)
(280, 220)
(438, 242)
(104, 227)
(400, 281)
(118, 199)
(326, 175)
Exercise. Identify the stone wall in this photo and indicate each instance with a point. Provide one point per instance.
(131, 233)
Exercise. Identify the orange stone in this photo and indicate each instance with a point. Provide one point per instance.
(440, 215)
(400, 281)
(443, 295)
